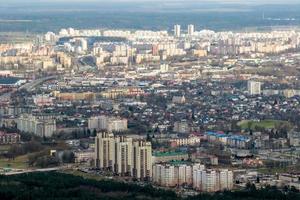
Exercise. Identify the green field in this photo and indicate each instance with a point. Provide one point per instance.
(20, 162)
(278, 170)
(84, 175)
(267, 124)
(4, 148)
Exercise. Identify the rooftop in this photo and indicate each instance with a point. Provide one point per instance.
(172, 153)
(8, 80)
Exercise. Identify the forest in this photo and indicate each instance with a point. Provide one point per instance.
(61, 186)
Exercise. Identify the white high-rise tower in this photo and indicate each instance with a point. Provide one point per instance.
(191, 29)
(177, 30)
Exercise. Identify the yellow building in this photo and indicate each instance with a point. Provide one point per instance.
(117, 92)
(72, 96)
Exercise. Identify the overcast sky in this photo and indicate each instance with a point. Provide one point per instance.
(140, 1)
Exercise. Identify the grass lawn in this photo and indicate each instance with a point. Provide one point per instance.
(294, 168)
(5, 147)
(18, 163)
(84, 175)
(273, 170)
(267, 124)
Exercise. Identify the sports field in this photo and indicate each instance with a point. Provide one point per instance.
(267, 124)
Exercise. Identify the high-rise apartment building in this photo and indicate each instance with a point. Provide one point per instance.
(110, 124)
(225, 179)
(206, 180)
(191, 29)
(43, 126)
(169, 175)
(210, 180)
(123, 156)
(98, 122)
(105, 151)
(254, 87)
(65, 60)
(177, 30)
(142, 160)
(117, 124)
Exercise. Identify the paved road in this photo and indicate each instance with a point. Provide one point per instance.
(32, 170)
(28, 86)
(31, 85)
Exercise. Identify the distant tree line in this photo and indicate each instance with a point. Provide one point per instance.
(22, 149)
(39, 154)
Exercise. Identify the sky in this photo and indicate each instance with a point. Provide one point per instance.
(140, 1)
(51, 15)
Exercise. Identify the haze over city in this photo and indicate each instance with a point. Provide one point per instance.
(140, 99)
